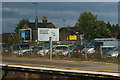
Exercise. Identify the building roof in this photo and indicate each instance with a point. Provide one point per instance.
(32, 25)
(43, 24)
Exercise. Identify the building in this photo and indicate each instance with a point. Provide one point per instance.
(5, 37)
(65, 32)
(34, 30)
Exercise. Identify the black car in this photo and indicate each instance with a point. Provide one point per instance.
(5, 48)
(77, 51)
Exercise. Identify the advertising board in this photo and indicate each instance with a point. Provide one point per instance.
(45, 33)
(72, 37)
(25, 34)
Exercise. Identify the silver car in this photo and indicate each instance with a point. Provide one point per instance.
(114, 53)
(61, 50)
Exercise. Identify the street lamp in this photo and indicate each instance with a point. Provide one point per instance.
(36, 18)
(35, 7)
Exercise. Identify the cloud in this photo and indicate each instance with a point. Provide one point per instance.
(18, 11)
(106, 14)
(56, 12)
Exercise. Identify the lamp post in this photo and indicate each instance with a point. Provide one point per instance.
(35, 8)
(36, 19)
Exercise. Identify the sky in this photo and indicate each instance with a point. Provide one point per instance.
(12, 12)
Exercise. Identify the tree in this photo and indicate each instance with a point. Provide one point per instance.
(86, 24)
(91, 27)
(14, 39)
(114, 30)
(102, 31)
(20, 24)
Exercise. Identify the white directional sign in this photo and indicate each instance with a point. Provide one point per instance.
(45, 33)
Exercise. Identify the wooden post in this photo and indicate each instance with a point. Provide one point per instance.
(101, 52)
(69, 55)
(85, 53)
(50, 48)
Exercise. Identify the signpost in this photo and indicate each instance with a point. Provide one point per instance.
(48, 34)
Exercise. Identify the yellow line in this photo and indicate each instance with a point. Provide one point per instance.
(68, 68)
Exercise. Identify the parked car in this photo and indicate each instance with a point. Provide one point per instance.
(43, 51)
(114, 53)
(106, 49)
(88, 50)
(34, 50)
(77, 50)
(90, 47)
(6, 48)
(19, 49)
(37, 50)
(62, 50)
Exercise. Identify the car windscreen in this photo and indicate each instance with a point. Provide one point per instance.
(79, 46)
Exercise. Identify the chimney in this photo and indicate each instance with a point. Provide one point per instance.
(44, 19)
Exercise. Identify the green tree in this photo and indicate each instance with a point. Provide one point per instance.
(114, 30)
(91, 27)
(14, 39)
(21, 24)
(102, 31)
(86, 24)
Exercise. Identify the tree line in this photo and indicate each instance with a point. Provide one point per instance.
(92, 28)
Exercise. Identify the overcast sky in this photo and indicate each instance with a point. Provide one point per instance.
(12, 12)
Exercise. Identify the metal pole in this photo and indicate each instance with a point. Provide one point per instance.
(36, 17)
(50, 48)
(35, 8)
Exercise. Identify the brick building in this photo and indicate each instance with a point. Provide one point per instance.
(65, 32)
(43, 24)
